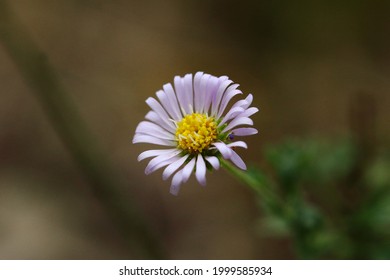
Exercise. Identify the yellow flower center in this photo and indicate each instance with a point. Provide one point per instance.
(196, 132)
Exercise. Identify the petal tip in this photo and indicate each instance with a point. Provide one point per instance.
(174, 190)
(203, 183)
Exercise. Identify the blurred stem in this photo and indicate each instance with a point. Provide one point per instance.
(37, 72)
(271, 200)
(298, 216)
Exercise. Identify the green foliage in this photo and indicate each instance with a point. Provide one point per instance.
(311, 160)
(330, 201)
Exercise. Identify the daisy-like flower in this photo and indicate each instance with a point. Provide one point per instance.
(193, 120)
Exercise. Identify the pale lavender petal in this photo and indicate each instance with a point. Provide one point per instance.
(140, 138)
(177, 180)
(164, 100)
(153, 153)
(235, 158)
(203, 92)
(233, 112)
(237, 122)
(187, 170)
(249, 112)
(188, 86)
(229, 94)
(225, 151)
(249, 100)
(241, 144)
(161, 161)
(156, 107)
(197, 91)
(154, 117)
(244, 131)
(218, 96)
(149, 128)
(173, 100)
(182, 96)
(211, 91)
(200, 172)
(241, 103)
(159, 165)
(213, 161)
(235, 115)
(173, 167)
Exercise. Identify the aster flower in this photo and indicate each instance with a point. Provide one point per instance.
(193, 120)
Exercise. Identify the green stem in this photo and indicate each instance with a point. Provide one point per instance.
(36, 70)
(271, 200)
(288, 210)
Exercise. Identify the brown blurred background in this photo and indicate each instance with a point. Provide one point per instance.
(304, 62)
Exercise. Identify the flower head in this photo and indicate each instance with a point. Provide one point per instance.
(194, 121)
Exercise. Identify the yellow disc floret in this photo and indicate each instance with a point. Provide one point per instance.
(196, 132)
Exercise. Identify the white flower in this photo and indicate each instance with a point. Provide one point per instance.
(193, 120)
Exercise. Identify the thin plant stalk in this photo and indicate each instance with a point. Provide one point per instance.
(41, 77)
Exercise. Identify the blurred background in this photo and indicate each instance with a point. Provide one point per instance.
(317, 69)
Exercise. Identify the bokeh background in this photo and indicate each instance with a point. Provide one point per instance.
(305, 62)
